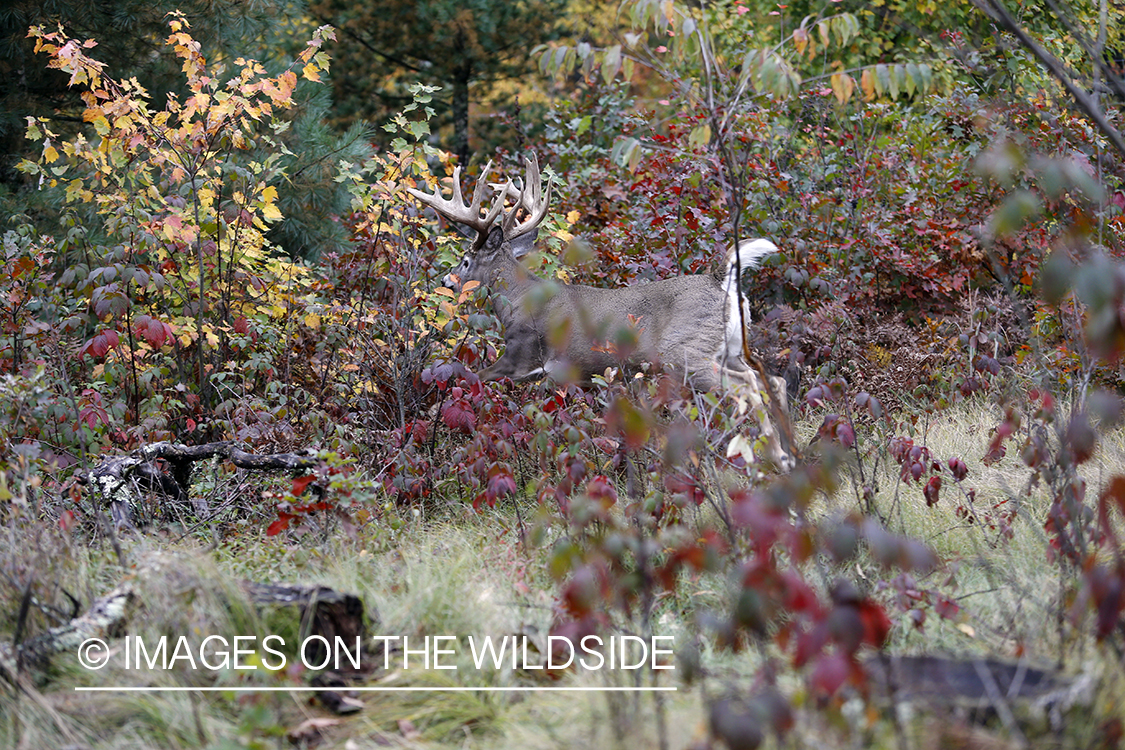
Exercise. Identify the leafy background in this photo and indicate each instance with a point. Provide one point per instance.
(208, 237)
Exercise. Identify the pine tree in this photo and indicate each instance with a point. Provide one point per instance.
(129, 36)
(386, 45)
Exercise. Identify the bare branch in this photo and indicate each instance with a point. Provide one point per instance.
(995, 10)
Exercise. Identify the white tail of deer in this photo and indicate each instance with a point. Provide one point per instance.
(689, 324)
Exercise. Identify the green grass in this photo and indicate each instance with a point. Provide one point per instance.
(466, 574)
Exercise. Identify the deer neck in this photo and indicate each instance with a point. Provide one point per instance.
(510, 279)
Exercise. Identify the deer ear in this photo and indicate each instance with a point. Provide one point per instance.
(493, 241)
(525, 243)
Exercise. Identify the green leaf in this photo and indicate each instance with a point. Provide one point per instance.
(559, 60)
(626, 152)
(700, 135)
(915, 75)
(611, 64)
(927, 77)
(1056, 276)
(1014, 212)
(882, 79)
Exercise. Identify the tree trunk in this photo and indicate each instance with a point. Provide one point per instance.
(461, 112)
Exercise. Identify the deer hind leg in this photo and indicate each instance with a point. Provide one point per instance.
(781, 390)
(750, 386)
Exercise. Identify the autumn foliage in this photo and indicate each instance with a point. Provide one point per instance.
(161, 309)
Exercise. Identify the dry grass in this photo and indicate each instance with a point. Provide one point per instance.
(464, 576)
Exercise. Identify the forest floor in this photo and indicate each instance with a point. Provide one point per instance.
(452, 571)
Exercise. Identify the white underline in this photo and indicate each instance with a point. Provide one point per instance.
(372, 689)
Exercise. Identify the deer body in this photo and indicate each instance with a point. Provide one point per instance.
(689, 324)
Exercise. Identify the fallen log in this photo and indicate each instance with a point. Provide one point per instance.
(121, 481)
(105, 618)
(322, 611)
(977, 687)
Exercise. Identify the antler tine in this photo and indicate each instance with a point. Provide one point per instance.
(478, 189)
(531, 199)
(455, 209)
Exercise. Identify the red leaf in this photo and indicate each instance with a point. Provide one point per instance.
(457, 415)
(580, 595)
(930, 492)
(100, 344)
(501, 483)
(300, 483)
(600, 489)
(876, 624)
(830, 673)
(156, 333)
(947, 608)
(281, 524)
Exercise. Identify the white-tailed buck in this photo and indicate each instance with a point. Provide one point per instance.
(688, 324)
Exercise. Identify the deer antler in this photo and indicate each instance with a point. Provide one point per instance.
(455, 208)
(531, 199)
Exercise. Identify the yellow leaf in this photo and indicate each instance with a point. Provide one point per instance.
(573, 217)
(444, 292)
(842, 86)
(967, 630)
(312, 320)
(50, 154)
(271, 212)
(311, 72)
(867, 83)
(269, 195)
(564, 235)
(800, 39)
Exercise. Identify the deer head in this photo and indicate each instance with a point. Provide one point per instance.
(520, 236)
